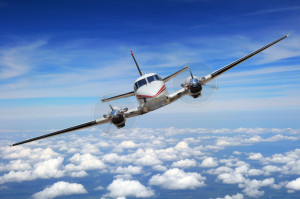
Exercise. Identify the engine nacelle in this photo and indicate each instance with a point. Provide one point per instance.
(117, 116)
(194, 86)
(118, 120)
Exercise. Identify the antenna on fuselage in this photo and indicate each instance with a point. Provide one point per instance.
(136, 64)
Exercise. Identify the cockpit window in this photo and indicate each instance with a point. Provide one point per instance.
(157, 78)
(141, 83)
(150, 79)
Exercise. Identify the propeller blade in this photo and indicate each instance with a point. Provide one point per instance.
(210, 86)
(108, 129)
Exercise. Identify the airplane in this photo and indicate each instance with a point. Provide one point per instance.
(151, 93)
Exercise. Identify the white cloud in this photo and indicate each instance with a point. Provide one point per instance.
(159, 168)
(231, 178)
(255, 156)
(115, 158)
(209, 162)
(21, 152)
(121, 188)
(51, 168)
(85, 162)
(294, 185)
(236, 196)
(129, 170)
(251, 187)
(146, 157)
(236, 153)
(79, 174)
(186, 163)
(60, 188)
(220, 170)
(182, 145)
(177, 179)
(127, 145)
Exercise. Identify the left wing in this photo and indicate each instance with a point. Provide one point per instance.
(175, 74)
(235, 63)
(67, 130)
(129, 94)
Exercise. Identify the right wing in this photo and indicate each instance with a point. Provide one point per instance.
(213, 75)
(67, 130)
(129, 94)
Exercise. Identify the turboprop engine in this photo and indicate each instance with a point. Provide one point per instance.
(117, 116)
(193, 85)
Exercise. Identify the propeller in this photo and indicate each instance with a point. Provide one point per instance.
(113, 112)
(197, 89)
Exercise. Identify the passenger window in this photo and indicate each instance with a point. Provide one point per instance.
(142, 82)
(150, 79)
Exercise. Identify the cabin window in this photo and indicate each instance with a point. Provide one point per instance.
(150, 79)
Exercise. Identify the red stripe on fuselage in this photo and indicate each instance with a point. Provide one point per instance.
(149, 96)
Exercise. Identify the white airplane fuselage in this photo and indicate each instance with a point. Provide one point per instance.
(151, 92)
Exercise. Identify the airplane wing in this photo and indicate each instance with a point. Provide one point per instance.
(213, 75)
(129, 94)
(175, 74)
(67, 130)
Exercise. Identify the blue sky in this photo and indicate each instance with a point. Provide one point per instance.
(57, 58)
(65, 56)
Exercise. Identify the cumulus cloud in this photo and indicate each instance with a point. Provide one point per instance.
(294, 185)
(178, 179)
(255, 156)
(21, 152)
(51, 168)
(251, 187)
(129, 170)
(146, 157)
(186, 163)
(127, 145)
(121, 188)
(85, 162)
(236, 196)
(209, 162)
(60, 188)
(231, 178)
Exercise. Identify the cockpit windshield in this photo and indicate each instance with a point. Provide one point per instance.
(149, 79)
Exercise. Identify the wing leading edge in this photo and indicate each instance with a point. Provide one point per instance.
(237, 62)
(67, 130)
